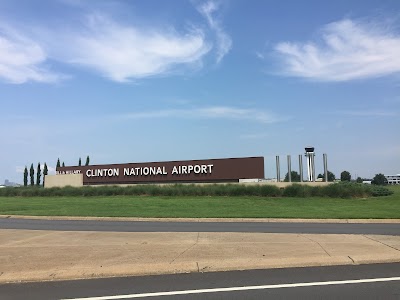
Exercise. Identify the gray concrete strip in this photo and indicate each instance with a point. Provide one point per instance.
(27, 255)
(208, 220)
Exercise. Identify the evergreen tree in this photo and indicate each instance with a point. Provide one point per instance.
(58, 163)
(331, 176)
(379, 179)
(31, 175)
(87, 161)
(38, 174)
(80, 162)
(63, 164)
(294, 176)
(345, 176)
(26, 176)
(45, 172)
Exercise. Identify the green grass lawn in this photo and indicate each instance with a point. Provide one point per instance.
(205, 207)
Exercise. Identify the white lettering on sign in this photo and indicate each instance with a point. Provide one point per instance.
(68, 172)
(102, 172)
(144, 171)
(197, 169)
(174, 170)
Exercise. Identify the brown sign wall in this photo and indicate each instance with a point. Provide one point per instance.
(212, 170)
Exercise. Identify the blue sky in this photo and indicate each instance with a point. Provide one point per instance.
(140, 81)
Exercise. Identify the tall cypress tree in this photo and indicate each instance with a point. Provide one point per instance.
(87, 161)
(31, 175)
(45, 172)
(63, 164)
(38, 174)
(80, 162)
(26, 176)
(58, 163)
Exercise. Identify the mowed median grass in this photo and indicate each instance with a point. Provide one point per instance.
(384, 207)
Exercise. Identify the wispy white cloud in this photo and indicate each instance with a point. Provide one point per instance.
(213, 112)
(238, 114)
(224, 41)
(124, 52)
(22, 59)
(118, 49)
(348, 50)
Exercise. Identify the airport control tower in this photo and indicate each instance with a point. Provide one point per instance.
(310, 163)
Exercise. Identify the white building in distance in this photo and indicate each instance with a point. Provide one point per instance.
(393, 179)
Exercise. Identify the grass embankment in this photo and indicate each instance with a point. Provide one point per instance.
(206, 206)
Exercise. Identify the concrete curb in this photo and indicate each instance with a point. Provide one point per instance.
(189, 267)
(205, 220)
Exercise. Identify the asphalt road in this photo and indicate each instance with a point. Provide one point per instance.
(324, 283)
(128, 226)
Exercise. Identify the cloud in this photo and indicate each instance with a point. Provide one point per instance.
(124, 52)
(237, 114)
(348, 50)
(22, 59)
(119, 50)
(213, 112)
(224, 41)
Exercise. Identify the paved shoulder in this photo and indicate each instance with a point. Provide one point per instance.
(139, 226)
(379, 281)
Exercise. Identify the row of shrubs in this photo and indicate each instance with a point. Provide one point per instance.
(339, 190)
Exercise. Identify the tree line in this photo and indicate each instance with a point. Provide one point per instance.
(39, 172)
(379, 179)
(38, 175)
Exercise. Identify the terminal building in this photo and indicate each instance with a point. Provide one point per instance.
(393, 179)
